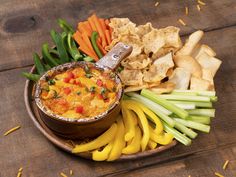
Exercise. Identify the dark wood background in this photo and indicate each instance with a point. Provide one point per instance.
(25, 25)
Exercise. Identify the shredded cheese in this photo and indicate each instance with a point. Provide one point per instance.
(11, 130)
(19, 172)
(202, 3)
(218, 174)
(225, 164)
(157, 3)
(71, 172)
(182, 22)
(63, 174)
(186, 10)
(198, 8)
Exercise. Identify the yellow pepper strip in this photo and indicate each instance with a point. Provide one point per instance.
(134, 118)
(158, 124)
(152, 144)
(143, 121)
(103, 154)
(128, 123)
(163, 139)
(100, 141)
(119, 141)
(134, 146)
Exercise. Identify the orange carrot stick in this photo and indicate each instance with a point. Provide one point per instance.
(108, 37)
(107, 22)
(88, 27)
(84, 29)
(92, 24)
(88, 43)
(102, 22)
(88, 52)
(101, 48)
(78, 38)
(99, 29)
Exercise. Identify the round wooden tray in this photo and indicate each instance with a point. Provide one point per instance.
(67, 144)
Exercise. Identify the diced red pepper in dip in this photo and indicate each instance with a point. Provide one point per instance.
(67, 90)
(99, 82)
(79, 109)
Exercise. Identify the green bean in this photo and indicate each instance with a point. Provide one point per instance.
(94, 44)
(38, 64)
(65, 26)
(72, 49)
(57, 39)
(47, 67)
(30, 76)
(47, 57)
(54, 51)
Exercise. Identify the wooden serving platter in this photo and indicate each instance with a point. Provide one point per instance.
(67, 144)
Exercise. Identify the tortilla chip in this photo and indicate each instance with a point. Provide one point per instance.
(131, 77)
(134, 41)
(153, 41)
(166, 87)
(172, 38)
(121, 26)
(139, 62)
(201, 49)
(191, 43)
(141, 30)
(208, 62)
(189, 64)
(199, 84)
(135, 88)
(181, 78)
(158, 70)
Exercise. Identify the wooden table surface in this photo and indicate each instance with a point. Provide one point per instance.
(25, 25)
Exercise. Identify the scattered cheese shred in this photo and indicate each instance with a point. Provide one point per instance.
(11, 130)
(186, 10)
(202, 3)
(218, 174)
(19, 172)
(182, 22)
(225, 164)
(71, 172)
(63, 174)
(198, 8)
(157, 3)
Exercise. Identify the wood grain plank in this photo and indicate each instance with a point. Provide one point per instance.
(28, 148)
(25, 26)
(198, 165)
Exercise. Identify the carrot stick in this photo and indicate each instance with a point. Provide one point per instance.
(88, 42)
(107, 22)
(102, 22)
(99, 40)
(101, 48)
(88, 52)
(108, 37)
(88, 27)
(78, 38)
(84, 29)
(99, 29)
(92, 24)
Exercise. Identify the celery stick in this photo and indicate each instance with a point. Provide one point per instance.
(184, 97)
(197, 104)
(194, 125)
(214, 98)
(185, 106)
(187, 131)
(147, 102)
(157, 99)
(163, 116)
(202, 112)
(178, 136)
(200, 93)
(200, 119)
(184, 93)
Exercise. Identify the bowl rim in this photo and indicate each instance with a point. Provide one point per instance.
(85, 120)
